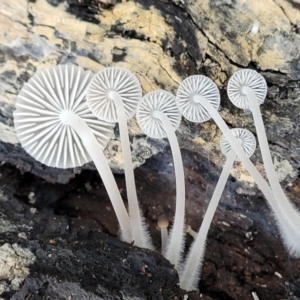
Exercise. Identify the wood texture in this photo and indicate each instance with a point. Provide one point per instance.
(162, 42)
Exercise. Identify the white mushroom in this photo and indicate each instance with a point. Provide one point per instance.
(113, 96)
(247, 89)
(55, 126)
(189, 278)
(159, 117)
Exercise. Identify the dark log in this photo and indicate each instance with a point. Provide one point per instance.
(66, 258)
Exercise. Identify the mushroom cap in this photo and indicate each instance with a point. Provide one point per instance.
(38, 120)
(246, 78)
(197, 85)
(163, 221)
(188, 228)
(246, 139)
(117, 80)
(161, 101)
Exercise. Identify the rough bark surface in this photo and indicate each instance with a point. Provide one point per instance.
(162, 42)
(72, 258)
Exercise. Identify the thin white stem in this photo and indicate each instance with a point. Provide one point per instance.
(235, 145)
(262, 138)
(163, 223)
(192, 267)
(139, 232)
(96, 153)
(283, 214)
(164, 237)
(193, 233)
(283, 201)
(175, 242)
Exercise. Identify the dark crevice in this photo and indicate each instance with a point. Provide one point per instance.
(209, 41)
(179, 20)
(254, 65)
(119, 30)
(219, 49)
(15, 20)
(278, 145)
(295, 6)
(84, 12)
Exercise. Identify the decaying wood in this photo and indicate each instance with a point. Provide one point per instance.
(162, 42)
(62, 257)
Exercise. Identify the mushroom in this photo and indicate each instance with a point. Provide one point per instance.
(247, 89)
(55, 126)
(159, 117)
(190, 275)
(190, 231)
(194, 91)
(198, 99)
(113, 96)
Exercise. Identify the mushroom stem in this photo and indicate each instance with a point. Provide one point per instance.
(262, 138)
(192, 266)
(190, 231)
(96, 153)
(175, 242)
(287, 216)
(139, 232)
(164, 237)
(163, 224)
(282, 200)
(236, 146)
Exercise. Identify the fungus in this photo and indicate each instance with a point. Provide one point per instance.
(159, 117)
(163, 224)
(247, 89)
(198, 99)
(190, 275)
(190, 231)
(112, 96)
(55, 126)
(195, 89)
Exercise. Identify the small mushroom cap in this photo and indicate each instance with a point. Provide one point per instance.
(244, 136)
(39, 117)
(193, 88)
(117, 80)
(163, 221)
(246, 78)
(188, 228)
(161, 101)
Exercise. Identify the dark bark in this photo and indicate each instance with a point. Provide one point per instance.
(73, 257)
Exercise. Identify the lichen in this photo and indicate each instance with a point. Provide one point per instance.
(14, 263)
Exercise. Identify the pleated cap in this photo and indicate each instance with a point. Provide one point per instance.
(39, 105)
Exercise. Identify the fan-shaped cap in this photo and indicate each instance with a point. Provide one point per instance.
(244, 136)
(246, 78)
(161, 101)
(38, 117)
(116, 80)
(189, 96)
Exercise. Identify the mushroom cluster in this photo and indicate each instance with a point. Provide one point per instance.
(65, 117)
